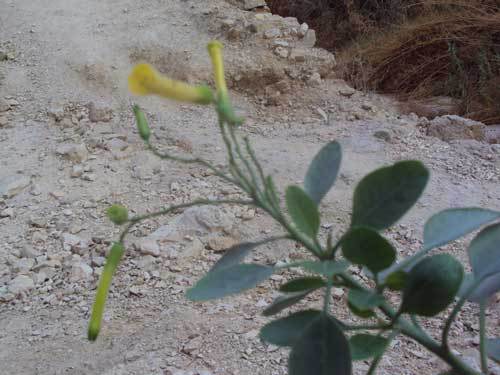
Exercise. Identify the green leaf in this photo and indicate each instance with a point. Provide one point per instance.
(326, 268)
(235, 255)
(117, 214)
(285, 301)
(364, 346)
(365, 314)
(323, 171)
(493, 348)
(448, 225)
(363, 300)
(303, 211)
(302, 284)
(285, 331)
(384, 196)
(365, 246)
(229, 280)
(432, 285)
(484, 252)
(321, 350)
(489, 286)
(142, 123)
(396, 280)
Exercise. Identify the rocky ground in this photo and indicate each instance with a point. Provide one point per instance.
(69, 149)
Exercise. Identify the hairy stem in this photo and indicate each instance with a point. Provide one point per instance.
(482, 336)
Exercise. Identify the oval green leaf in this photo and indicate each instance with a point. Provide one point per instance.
(322, 349)
(484, 252)
(285, 301)
(448, 225)
(303, 283)
(432, 285)
(364, 346)
(362, 302)
(367, 247)
(303, 210)
(396, 280)
(323, 171)
(384, 196)
(229, 280)
(326, 268)
(493, 349)
(285, 331)
(235, 255)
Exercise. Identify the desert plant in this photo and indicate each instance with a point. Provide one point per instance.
(320, 342)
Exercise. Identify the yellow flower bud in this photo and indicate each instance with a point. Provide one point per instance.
(145, 80)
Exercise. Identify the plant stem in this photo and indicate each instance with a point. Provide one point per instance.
(482, 336)
(409, 330)
(328, 296)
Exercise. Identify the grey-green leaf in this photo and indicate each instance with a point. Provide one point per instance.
(303, 283)
(235, 255)
(484, 252)
(489, 286)
(432, 285)
(285, 301)
(323, 171)
(365, 246)
(303, 210)
(321, 350)
(285, 331)
(229, 280)
(384, 196)
(493, 348)
(326, 268)
(448, 225)
(364, 346)
(364, 300)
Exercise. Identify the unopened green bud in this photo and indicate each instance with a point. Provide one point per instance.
(112, 262)
(117, 214)
(142, 123)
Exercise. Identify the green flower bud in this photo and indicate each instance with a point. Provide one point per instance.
(112, 262)
(142, 123)
(117, 214)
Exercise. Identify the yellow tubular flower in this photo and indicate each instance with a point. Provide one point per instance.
(224, 106)
(145, 80)
(215, 52)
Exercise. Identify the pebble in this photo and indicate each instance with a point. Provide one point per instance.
(148, 246)
(99, 114)
(74, 152)
(81, 272)
(21, 284)
(12, 185)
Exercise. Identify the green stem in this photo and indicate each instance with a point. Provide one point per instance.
(328, 296)
(482, 336)
(409, 330)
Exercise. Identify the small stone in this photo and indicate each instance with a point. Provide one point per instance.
(98, 261)
(13, 185)
(89, 177)
(75, 244)
(252, 4)
(367, 107)
(73, 152)
(192, 250)
(347, 92)
(309, 40)
(21, 284)
(76, 171)
(248, 215)
(192, 345)
(38, 222)
(146, 263)
(81, 272)
(383, 134)
(298, 54)
(4, 105)
(8, 212)
(314, 80)
(57, 113)
(221, 243)
(337, 292)
(29, 252)
(281, 52)
(4, 121)
(24, 265)
(272, 33)
(99, 114)
(304, 28)
(148, 246)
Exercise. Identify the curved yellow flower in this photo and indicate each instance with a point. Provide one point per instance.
(145, 80)
(224, 106)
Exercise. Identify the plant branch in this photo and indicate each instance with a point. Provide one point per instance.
(482, 336)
